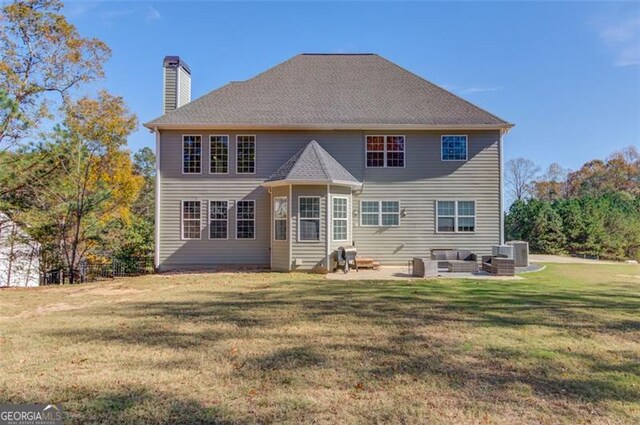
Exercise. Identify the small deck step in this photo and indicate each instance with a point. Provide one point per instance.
(367, 263)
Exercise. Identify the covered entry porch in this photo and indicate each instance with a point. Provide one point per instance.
(311, 210)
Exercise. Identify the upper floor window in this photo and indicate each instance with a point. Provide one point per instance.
(246, 220)
(380, 213)
(280, 214)
(385, 151)
(191, 154)
(191, 220)
(219, 163)
(246, 154)
(456, 216)
(454, 148)
(309, 211)
(218, 219)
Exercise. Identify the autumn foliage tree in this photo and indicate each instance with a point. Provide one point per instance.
(94, 183)
(42, 59)
(594, 210)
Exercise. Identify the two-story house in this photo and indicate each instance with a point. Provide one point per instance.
(321, 151)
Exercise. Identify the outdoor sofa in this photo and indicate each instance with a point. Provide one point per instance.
(456, 260)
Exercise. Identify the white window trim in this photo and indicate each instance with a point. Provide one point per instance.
(345, 219)
(209, 219)
(380, 201)
(466, 147)
(201, 153)
(456, 215)
(182, 237)
(300, 218)
(286, 220)
(384, 156)
(228, 153)
(255, 227)
(255, 153)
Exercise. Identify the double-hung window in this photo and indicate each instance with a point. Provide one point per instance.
(340, 216)
(309, 212)
(456, 216)
(245, 154)
(385, 151)
(191, 220)
(280, 215)
(218, 219)
(380, 213)
(454, 148)
(219, 149)
(245, 220)
(191, 154)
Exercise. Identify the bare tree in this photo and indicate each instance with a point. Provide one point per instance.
(519, 176)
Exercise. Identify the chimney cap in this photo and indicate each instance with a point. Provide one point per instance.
(175, 62)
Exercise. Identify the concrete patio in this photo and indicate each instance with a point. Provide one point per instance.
(402, 273)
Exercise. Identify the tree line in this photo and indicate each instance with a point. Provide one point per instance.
(66, 174)
(593, 211)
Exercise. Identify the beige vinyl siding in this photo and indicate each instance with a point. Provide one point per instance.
(424, 180)
(184, 87)
(170, 92)
(280, 258)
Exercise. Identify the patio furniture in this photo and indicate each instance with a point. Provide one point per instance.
(498, 266)
(456, 260)
(424, 267)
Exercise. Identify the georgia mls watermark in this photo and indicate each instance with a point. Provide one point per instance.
(30, 414)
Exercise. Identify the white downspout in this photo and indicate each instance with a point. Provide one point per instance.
(157, 212)
(290, 226)
(272, 229)
(501, 194)
(327, 230)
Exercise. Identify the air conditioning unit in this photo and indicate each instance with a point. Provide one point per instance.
(502, 250)
(520, 253)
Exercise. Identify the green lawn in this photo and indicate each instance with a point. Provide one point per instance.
(561, 346)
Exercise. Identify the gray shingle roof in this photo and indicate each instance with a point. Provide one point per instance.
(331, 89)
(313, 164)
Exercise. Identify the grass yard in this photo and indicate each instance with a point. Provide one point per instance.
(561, 346)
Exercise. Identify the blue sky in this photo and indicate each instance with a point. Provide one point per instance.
(567, 74)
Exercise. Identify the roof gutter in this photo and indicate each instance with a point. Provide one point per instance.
(357, 126)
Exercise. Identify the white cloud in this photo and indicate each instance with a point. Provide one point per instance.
(471, 90)
(621, 35)
(152, 14)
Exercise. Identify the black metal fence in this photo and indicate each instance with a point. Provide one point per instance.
(94, 271)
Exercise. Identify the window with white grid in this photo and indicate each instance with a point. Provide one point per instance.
(191, 154)
(245, 154)
(340, 215)
(245, 220)
(191, 220)
(309, 212)
(219, 152)
(380, 213)
(456, 216)
(385, 151)
(280, 214)
(454, 148)
(218, 219)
